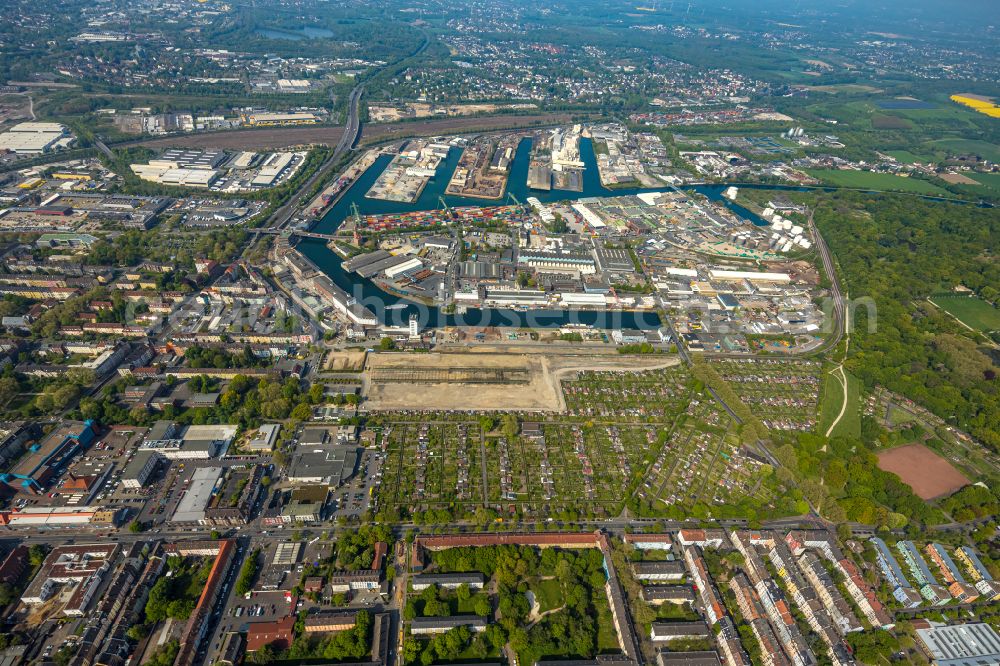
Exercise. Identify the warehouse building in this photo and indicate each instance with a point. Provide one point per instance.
(960, 644)
(191, 508)
(35, 138)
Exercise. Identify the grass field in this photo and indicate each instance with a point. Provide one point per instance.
(988, 180)
(877, 181)
(898, 416)
(548, 594)
(990, 151)
(880, 122)
(970, 310)
(906, 157)
(832, 399)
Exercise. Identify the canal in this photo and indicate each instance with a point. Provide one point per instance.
(393, 310)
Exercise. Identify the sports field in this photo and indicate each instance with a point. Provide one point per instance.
(970, 310)
(926, 472)
(877, 181)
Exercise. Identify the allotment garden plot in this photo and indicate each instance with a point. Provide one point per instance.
(656, 395)
(703, 465)
(595, 462)
(783, 393)
(433, 462)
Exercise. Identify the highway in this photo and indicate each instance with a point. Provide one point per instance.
(352, 129)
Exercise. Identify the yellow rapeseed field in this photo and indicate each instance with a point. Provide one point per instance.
(989, 108)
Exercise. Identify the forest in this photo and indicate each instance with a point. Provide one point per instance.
(898, 251)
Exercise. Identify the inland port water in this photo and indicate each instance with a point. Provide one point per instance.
(393, 310)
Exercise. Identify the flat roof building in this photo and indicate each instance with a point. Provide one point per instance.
(439, 625)
(961, 644)
(48, 458)
(140, 469)
(331, 465)
(658, 571)
(669, 631)
(696, 658)
(191, 508)
(264, 438)
(448, 580)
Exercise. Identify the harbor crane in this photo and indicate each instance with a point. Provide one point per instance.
(520, 206)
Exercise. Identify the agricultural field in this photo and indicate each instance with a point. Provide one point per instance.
(970, 310)
(784, 393)
(907, 157)
(989, 183)
(889, 122)
(876, 181)
(985, 149)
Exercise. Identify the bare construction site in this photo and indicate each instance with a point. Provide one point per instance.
(482, 381)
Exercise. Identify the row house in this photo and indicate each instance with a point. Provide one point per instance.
(902, 590)
(928, 585)
(957, 585)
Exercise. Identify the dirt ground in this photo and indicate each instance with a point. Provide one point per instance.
(257, 139)
(388, 114)
(283, 137)
(378, 132)
(957, 179)
(542, 392)
(927, 473)
(346, 361)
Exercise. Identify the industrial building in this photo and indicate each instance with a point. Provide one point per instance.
(264, 119)
(35, 138)
(960, 644)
